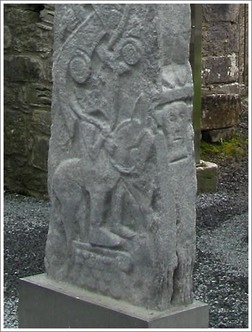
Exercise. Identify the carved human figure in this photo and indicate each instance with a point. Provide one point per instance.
(102, 160)
(108, 156)
(175, 137)
(135, 139)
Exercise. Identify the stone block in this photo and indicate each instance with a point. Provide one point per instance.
(47, 15)
(13, 166)
(23, 68)
(15, 96)
(220, 69)
(219, 39)
(39, 95)
(38, 39)
(22, 13)
(217, 135)
(35, 183)
(220, 111)
(41, 122)
(7, 37)
(22, 178)
(40, 152)
(207, 177)
(216, 13)
(234, 88)
(27, 32)
(44, 303)
(17, 140)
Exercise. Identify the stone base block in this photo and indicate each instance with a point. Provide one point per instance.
(220, 111)
(207, 176)
(45, 303)
(217, 135)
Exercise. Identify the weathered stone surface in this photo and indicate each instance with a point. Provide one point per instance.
(15, 96)
(223, 70)
(219, 69)
(207, 177)
(122, 177)
(25, 14)
(221, 12)
(16, 135)
(39, 95)
(27, 96)
(40, 149)
(219, 39)
(18, 145)
(217, 135)
(29, 183)
(23, 68)
(220, 111)
(32, 33)
(243, 44)
(231, 88)
(41, 121)
(7, 37)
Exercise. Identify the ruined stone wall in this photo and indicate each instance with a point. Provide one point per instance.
(27, 96)
(223, 68)
(27, 85)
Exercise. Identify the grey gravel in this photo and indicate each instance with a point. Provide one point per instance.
(10, 312)
(229, 250)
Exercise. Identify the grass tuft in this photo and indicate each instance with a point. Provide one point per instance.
(232, 149)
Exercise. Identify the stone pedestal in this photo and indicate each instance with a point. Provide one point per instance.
(207, 177)
(45, 303)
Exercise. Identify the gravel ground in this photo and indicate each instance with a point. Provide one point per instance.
(221, 269)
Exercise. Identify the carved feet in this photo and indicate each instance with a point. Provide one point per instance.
(100, 236)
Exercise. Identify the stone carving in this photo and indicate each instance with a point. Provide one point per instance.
(121, 166)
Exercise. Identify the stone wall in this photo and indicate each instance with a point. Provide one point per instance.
(27, 85)
(27, 96)
(243, 45)
(223, 68)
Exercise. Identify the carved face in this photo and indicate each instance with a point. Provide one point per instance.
(176, 124)
(174, 120)
(177, 121)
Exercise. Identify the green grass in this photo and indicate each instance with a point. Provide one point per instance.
(234, 148)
